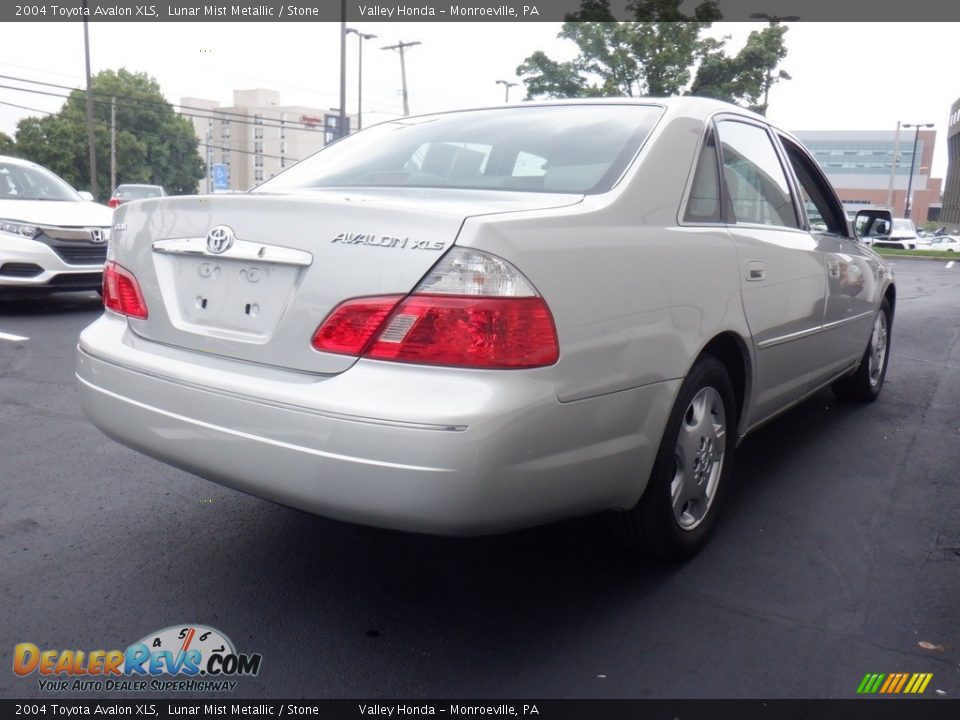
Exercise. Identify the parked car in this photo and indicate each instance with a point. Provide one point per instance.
(481, 320)
(944, 243)
(127, 192)
(903, 236)
(51, 237)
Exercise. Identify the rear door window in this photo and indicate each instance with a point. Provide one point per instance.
(754, 178)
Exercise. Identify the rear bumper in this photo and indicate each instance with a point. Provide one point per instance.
(400, 446)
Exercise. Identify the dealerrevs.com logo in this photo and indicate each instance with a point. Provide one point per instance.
(180, 658)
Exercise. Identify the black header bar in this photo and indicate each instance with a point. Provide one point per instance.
(855, 709)
(859, 11)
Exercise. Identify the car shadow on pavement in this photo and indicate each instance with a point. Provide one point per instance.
(58, 303)
(374, 596)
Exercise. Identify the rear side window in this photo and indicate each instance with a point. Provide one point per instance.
(703, 203)
(559, 148)
(754, 177)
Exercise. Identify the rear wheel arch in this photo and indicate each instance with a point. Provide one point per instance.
(730, 349)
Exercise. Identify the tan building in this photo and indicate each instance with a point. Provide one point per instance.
(256, 137)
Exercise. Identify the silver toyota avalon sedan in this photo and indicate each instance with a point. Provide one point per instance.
(474, 321)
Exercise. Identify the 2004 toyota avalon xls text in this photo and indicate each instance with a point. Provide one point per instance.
(474, 321)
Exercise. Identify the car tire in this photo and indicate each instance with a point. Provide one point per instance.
(679, 507)
(866, 382)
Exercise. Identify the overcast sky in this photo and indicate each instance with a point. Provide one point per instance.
(845, 76)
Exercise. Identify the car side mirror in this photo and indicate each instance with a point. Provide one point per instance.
(872, 223)
(88, 196)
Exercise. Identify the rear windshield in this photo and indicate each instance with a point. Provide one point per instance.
(566, 149)
(133, 192)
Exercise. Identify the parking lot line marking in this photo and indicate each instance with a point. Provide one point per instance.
(949, 264)
(12, 338)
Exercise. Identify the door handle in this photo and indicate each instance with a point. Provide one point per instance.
(755, 271)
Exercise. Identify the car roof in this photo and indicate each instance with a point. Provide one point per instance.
(684, 105)
(138, 185)
(18, 161)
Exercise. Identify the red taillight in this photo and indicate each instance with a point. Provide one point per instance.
(350, 327)
(478, 332)
(121, 291)
(113, 202)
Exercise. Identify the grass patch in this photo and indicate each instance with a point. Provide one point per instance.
(943, 254)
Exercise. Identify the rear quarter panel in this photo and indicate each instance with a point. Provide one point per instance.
(635, 297)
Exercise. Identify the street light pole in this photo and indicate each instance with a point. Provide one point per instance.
(400, 47)
(893, 165)
(360, 38)
(506, 86)
(341, 129)
(907, 205)
(774, 20)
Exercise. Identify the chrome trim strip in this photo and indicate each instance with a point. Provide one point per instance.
(811, 331)
(74, 234)
(787, 338)
(837, 323)
(240, 250)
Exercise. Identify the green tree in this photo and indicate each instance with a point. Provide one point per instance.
(154, 145)
(746, 78)
(6, 144)
(661, 54)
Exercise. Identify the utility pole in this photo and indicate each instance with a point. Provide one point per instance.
(893, 165)
(113, 143)
(91, 140)
(506, 87)
(400, 47)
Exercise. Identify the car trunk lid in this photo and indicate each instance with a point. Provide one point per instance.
(251, 277)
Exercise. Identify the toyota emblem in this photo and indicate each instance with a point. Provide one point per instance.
(219, 239)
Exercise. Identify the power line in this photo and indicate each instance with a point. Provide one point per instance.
(127, 104)
(210, 113)
(147, 133)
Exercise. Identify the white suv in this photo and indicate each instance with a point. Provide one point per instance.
(903, 236)
(51, 237)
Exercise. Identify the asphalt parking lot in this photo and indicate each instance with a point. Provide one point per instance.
(838, 554)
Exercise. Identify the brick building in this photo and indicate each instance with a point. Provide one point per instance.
(859, 164)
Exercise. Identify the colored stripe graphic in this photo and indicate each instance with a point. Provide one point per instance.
(914, 683)
(900, 684)
(927, 677)
(870, 683)
(894, 683)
